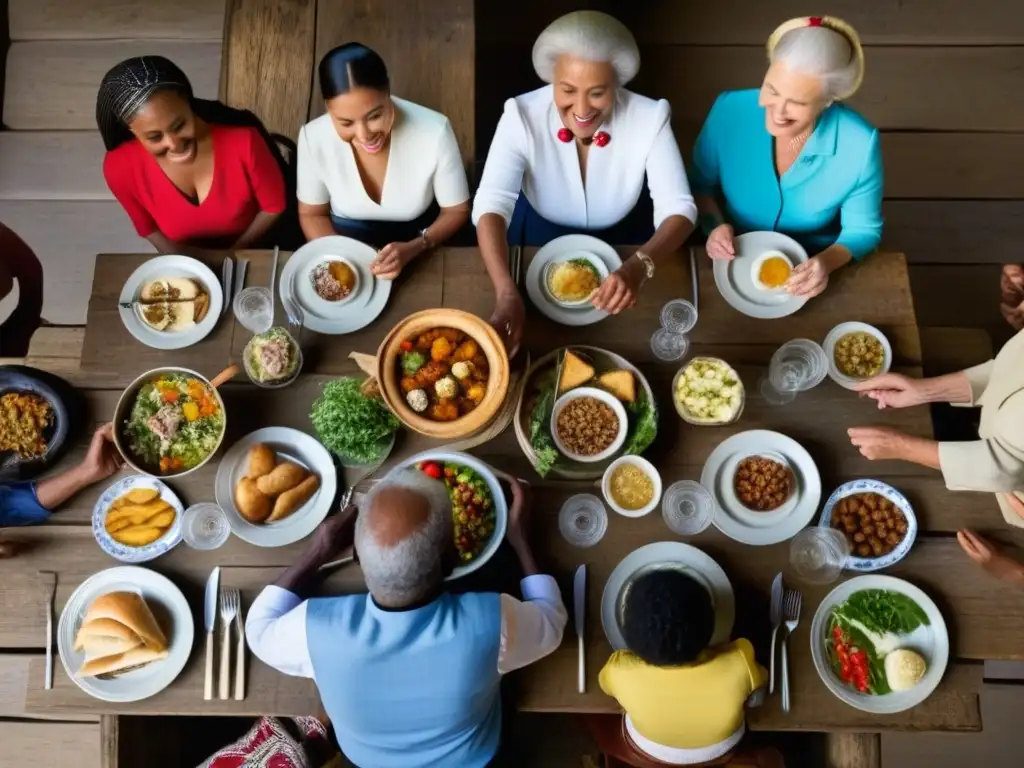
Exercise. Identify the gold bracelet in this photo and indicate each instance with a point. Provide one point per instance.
(427, 244)
(648, 263)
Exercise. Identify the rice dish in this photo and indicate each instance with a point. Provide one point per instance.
(573, 280)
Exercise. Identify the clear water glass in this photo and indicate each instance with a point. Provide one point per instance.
(678, 316)
(687, 508)
(796, 366)
(818, 554)
(668, 346)
(583, 520)
(205, 526)
(254, 308)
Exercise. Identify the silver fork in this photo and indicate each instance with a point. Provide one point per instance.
(229, 600)
(791, 603)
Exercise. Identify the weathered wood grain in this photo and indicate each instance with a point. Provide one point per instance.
(955, 165)
(854, 750)
(947, 350)
(28, 743)
(14, 675)
(269, 60)
(52, 165)
(954, 232)
(116, 19)
(968, 291)
(429, 48)
(51, 85)
(741, 22)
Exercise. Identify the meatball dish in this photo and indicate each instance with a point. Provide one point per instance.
(443, 374)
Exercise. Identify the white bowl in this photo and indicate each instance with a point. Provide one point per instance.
(324, 303)
(590, 258)
(648, 469)
(598, 394)
(830, 351)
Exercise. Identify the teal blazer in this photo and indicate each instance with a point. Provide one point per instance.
(831, 194)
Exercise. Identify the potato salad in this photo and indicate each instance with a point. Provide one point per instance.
(709, 391)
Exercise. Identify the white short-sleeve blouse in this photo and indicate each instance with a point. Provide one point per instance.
(526, 154)
(424, 164)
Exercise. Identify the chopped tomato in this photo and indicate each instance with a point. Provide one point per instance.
(432, 469)
(170, 395)
(406, 346)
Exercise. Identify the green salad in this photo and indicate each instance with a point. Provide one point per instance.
(175, 423)
(351, 424)
(272, 356)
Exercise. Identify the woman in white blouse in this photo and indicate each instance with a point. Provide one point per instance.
(572, 157)
(378, 168)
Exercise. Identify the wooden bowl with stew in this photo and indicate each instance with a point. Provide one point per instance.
(455, 361)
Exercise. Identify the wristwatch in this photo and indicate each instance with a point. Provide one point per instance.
(648, 264)
(427, 243)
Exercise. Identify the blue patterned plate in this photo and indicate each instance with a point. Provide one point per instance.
(867, 564)
(123, 552)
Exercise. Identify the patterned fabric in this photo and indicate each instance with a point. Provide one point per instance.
(269, 745)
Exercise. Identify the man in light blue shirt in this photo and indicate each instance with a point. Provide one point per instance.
(788, 158)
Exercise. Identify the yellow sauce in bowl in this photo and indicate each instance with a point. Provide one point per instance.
(630, 487)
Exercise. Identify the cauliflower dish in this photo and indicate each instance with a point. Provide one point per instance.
(443, 374)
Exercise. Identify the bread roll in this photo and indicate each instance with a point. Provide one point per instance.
(294, 498)
(285, 476)
(252, 505)
(131, 610)
(104, 629)
(98, 647)
(121, 662)
(261, 461)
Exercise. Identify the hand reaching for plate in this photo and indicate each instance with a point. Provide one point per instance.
(508, 318)
(988, 556)
(891, 390)
(720, 244)
(620, 288)
(393, 258)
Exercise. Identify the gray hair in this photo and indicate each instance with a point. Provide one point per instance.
(398, 574)
(588, 35)
(823, 53)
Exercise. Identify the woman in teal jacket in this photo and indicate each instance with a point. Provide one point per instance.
(789, 158)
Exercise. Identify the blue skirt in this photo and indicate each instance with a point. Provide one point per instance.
(528, 227)
(380, 233)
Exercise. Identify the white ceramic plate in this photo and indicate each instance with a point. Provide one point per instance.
(170, 266)
(830, 351)
(690, 559)
(590, 258)
(560, 249)
(760, 528)
(122, 552)
(598, 394)
(735, 282)
(500, 504)
(288, 444)
(172, 613)
(868, 564)
(932, 642)
(325, 317)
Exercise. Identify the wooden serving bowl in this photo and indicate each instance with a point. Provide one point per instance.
(490, 345)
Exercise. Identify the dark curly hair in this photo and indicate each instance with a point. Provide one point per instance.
(668, 618)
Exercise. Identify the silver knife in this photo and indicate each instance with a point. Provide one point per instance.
(775, 614)
(579, 600)
(693, 279)
(227, 276)
(210, 616)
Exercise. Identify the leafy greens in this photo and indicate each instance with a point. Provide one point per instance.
(540, 436)
(350, 424)
(882, 610)
(644, 426)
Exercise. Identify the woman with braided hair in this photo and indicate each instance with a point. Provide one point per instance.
(193, 175)
(791, 157)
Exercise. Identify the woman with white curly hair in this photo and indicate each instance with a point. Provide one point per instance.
(572, 156)
(791, 157)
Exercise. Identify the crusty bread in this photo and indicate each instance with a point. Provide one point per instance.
(107, 629)
(99, 647)
(106, 665)
(574, 373)
(131, 610)
(261, 461)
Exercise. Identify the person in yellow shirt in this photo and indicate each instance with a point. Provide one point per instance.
(683, 701)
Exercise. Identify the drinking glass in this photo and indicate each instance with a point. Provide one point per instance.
(254, 308)
(583, 520)
(796, 366)
(205, 526)
(687, 508)
(818, 554)
(678, 316)
(668, 346)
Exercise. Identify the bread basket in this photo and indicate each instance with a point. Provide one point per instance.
(490, 345)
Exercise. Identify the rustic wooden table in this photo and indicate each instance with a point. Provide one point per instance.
(984, 615)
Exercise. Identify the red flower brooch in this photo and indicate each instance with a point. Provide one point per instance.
(601, 138)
